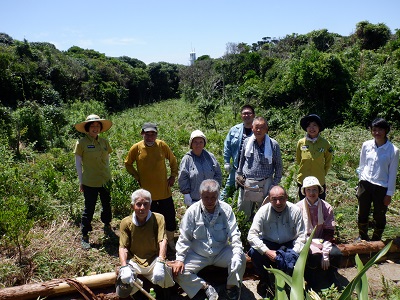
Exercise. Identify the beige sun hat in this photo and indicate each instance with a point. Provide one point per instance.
(195, 134)
(311, 181)
(106, 124)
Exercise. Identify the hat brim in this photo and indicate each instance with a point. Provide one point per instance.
(307, 119)
(106, 125)
(321, 189)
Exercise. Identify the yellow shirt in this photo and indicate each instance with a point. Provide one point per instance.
(314, 159)
(142, 242)
(151, 170)
(95, 160)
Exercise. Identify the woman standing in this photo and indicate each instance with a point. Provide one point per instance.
(313, 153)
(92, 165)
(377, 171)
(196, 166)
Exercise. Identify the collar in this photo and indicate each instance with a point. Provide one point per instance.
(136, 222)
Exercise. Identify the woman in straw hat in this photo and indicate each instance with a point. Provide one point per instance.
(92, 165)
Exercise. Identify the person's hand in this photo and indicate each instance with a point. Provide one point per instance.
(386, 200)
(240, 180)
(325, 261)
(236, 262)
(127, 275)
(187, 199)
(178, 267)
(271, 254)
(158, 272)
(81, 188)
(227, 167)
(171, 181)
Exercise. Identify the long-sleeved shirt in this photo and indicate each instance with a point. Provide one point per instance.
(207, 239)
(325, 230)
(258, 166)
(277, 227)
(194, 169)
(233, 144)
(378, 165)
(314, 159)
(151, 169)
(95, 160)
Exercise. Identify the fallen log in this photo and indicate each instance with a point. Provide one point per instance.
(60, 286)
(56, 287)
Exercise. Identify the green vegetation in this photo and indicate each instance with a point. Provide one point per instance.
(44, 92)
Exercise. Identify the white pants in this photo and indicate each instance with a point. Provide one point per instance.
(191, 283)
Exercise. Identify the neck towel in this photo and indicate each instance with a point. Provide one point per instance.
(267, 148)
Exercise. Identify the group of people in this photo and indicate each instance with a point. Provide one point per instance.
(208, 233)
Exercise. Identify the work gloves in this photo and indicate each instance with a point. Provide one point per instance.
(127, 275)
(158, 273)
(236, 262)
(227, 167)
(326, 249)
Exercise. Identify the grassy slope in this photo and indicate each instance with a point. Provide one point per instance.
(55, 251)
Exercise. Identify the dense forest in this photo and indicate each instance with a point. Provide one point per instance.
(346, 79)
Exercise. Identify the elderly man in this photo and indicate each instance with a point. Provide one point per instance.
(276, 237)
(233, 145)
(146, 257)
(260, 167)
(150, 156)
(209, 235)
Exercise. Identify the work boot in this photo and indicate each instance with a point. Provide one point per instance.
(377, 235)
(363, 231)
(233, 293)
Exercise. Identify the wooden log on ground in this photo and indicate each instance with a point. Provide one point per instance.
(56, 287)
(60, 286)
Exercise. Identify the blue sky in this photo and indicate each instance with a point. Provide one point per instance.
(168, 30)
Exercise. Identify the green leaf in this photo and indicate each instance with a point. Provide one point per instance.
(362, 285)
(346, 294)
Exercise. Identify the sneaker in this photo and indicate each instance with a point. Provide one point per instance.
(85, 242)
(233, 293)
(211, 293)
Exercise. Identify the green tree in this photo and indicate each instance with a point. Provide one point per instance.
(370, 36)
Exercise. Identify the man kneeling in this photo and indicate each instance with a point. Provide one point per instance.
(142, 247)
(209, 236)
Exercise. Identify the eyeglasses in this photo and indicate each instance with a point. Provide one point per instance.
(247, 113)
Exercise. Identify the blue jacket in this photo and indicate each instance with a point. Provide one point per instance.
(232, 144)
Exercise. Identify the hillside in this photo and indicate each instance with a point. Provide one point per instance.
(50, 188)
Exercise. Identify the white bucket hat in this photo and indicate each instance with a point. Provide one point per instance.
(311, 181)
(195, 134)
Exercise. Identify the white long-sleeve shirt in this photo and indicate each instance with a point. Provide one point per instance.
(378, 165)
(277, 227)
(197, 234)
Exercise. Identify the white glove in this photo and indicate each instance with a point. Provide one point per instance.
(187, 199)
(325, 261)
(227, 167)
(127, 275)
(158, 273)
(326, 249)
(236, 262)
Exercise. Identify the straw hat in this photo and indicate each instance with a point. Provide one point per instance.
(93, 118)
